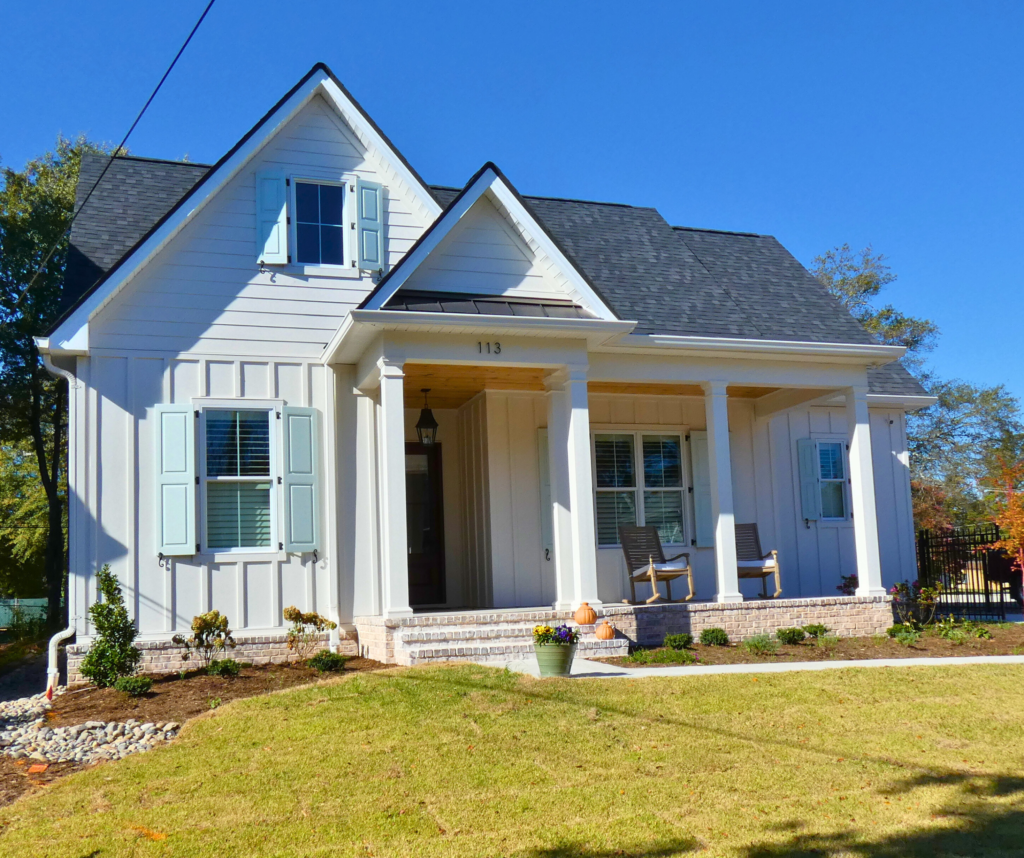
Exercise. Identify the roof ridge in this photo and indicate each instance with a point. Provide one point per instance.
(720, 231)
(563, 199)
(153, 160)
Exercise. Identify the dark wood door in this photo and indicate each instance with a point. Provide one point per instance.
(425, 524)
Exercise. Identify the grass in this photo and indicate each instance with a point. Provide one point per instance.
(470, 761)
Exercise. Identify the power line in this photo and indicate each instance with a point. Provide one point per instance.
(113, 155)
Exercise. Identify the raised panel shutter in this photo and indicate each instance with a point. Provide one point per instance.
(370, 202)
(546, 510)
(705, 525)
(271, 218)
(810, 485)
(175, 480)
(301, 479)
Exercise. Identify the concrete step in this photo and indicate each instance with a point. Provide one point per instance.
(499, 651)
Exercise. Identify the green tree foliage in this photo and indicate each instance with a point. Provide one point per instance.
(36, 206)
(857, 279)
(23, 525)
(113, 654)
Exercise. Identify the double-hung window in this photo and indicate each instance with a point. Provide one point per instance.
(832, 478)
(319, 223)
(638, 479)
(238, 487)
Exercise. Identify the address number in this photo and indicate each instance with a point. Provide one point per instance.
(489, 348)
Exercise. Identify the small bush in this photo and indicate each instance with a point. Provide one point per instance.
(791, 637)
(900, 628)
(210, 637)
(680, 641)
(304, 635)
(976, 630)
(113, 654)
(714, 637)
(957, 637)
(224, 667)
(662, 656)
(908, 636)
(326, 661)
(761, 645)
(816, 630)
(133, 686)
(827, 643)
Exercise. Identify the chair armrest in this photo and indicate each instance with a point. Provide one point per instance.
(685, 554)
(770, 554)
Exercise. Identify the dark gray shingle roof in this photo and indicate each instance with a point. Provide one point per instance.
(671, 280)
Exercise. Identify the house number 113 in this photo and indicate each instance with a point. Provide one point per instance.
(489, 348)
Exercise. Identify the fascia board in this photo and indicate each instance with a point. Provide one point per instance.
(906, 403)
(867, 355)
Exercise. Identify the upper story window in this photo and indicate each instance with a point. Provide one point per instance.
(319, 223)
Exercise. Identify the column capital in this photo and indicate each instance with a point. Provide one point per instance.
(715, 388)
(859, 391)
(391, 367)
(559, 378)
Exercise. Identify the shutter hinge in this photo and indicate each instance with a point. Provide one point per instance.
(280, 480)
(687, 438)
(352, 188)
(691, 490)
(353, 263)
(278, 413)
(693, 542)
(280, 546)
(197, 548)
(197, 481)
(288, 182)
(287, 220)
(197, 414)
(353, 224)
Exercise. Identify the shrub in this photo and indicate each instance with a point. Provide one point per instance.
(899, 628)
(908, 636)
(113, 653)
(816, 630)
(304, 635)
(662, 656)
(210, 637)
(326, 661)
(680, 641)
(761, 645)
(714, 637)
(133, 686)
(957, 637)
(827, 642)
(849, 584)
(224, 667)
(791, 637)
(976, 630)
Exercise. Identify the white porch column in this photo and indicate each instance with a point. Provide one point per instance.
(862, 492)
(572, 490)
(716, 407)
(394, 536)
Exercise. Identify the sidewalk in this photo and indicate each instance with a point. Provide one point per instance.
(585, 669)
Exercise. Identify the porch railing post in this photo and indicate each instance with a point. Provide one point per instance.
(716, 407)
(394, 536)
(862, 489)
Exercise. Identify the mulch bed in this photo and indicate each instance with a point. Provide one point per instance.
(1006, 640)
(172, 699)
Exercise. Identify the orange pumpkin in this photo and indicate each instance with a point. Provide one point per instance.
(605, 632)
(585, 615)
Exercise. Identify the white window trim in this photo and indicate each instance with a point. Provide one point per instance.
(273, 406)
(638, 430)
(844, 442)
(347, 181)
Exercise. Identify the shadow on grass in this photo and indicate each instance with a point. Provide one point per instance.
(655, 849)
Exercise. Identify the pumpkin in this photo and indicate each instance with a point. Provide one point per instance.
(585, 615)
(605, 632)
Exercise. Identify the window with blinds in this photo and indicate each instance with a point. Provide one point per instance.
(832, 474)
(238, 482)
(648, 491)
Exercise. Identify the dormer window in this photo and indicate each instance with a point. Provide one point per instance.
(319, 222)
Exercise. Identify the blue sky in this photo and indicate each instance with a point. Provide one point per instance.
(899, 125)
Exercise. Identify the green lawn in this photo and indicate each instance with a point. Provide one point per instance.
(471, 761)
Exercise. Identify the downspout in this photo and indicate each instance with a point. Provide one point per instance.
(52, 668)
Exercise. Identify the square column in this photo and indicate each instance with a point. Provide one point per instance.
(394, 534)
(572, 490)
(862, 494)
(716, 408)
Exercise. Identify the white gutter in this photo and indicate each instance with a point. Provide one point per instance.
(873, 355)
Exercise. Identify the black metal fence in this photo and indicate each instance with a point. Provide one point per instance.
(977, 582)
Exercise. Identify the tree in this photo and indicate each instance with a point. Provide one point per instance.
(1007, 483)
(857, 279)
(36, 207)
(23, 524)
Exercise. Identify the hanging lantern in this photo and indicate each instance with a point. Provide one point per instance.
(426, 428)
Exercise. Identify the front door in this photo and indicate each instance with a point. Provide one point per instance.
(425, 522)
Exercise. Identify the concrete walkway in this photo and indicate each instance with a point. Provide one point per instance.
(585, 669)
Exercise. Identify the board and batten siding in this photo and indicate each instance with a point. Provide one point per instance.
(114, 472)
(203, 293)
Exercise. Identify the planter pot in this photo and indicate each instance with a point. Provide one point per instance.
(554, 659)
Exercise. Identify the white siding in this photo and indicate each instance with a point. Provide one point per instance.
(476, 524)
(203, 292)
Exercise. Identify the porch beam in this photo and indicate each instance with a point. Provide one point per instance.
(862, 491)
(716, 406)
(394, 537)
(793, 397)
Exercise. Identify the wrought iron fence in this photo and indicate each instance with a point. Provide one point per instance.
(977, 582)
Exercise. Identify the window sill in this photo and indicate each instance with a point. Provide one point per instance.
(253, 555)
(335, 272)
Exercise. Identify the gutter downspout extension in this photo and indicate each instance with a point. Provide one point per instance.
(52, 669)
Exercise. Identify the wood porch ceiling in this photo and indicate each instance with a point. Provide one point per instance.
(453, 385)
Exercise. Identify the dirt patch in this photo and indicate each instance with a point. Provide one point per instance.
(16, 780)
(1006, 640)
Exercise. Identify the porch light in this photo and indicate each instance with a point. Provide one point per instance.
(426, 428)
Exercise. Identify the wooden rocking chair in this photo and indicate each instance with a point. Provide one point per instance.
(753, 563)
(646, 563)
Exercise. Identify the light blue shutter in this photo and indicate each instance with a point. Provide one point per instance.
(175, 480)
(370, 202)
(301, 479)
(546, 509)
(810, 485)
(271, 218)
(703, 520)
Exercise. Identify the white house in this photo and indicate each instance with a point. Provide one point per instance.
(247, 344)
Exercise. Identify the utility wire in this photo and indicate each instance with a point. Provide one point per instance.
(113, 155)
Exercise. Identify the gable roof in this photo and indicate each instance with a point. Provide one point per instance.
(318, 79)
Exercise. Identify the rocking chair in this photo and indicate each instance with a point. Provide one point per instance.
(646, 563)
(754, 563)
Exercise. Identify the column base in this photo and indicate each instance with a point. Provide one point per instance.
(729, 597)
(871, 591)
(397, 613)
